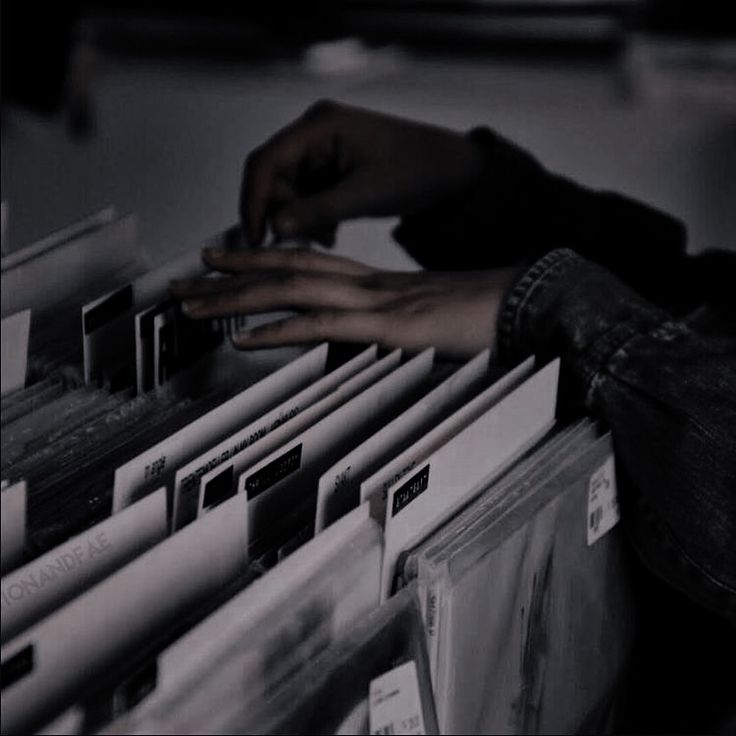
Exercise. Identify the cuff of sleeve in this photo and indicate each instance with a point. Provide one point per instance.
(567, 306)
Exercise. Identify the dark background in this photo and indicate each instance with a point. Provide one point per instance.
(154, 106)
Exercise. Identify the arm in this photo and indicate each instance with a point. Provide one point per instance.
(516, 209)
(668, 394)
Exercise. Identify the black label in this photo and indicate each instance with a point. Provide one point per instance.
(17, 667)
(414, 487)
(219, 488)
(112, 307)
(275, 471)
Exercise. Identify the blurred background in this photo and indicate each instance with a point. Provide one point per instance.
(154, 106)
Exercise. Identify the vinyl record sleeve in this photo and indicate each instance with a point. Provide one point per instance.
(49, 666)
(534, 626)
(339, 487)
(264, 635)
(331, 695)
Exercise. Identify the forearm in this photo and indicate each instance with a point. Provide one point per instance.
(668, 396)
(517, 211)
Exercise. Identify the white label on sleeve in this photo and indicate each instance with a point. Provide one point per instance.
(394, 703)
(603, 513)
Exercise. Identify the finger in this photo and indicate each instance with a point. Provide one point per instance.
(239, 261)
(312, 214)
(205, 286)
(280, 155)
(350, 326)
(295, 291)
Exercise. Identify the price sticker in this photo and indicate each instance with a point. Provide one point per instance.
(395, 706)
(603, 512)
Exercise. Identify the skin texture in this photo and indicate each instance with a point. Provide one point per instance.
(334, 163)
(343, 300)
(337, 162)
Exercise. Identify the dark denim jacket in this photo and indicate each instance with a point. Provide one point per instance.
(647, 337)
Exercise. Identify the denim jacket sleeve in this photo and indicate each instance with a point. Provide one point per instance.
(668, 392)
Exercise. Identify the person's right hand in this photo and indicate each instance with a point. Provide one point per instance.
(337, 162)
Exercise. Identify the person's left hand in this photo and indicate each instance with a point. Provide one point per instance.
(346, 301)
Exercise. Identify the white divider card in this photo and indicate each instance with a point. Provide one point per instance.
(108, 337)
(152, 287)
(13, 501)
(14, 356)
(339, 488)
(446, 478)
(33, 591)
(57, 238)
(158, 463)
(289, 474)
(223, 479)
(49, 666)
(187, 501)
(213, 637)
(375, 488)
(73, 267)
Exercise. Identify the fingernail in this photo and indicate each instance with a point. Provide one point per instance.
(191, 306)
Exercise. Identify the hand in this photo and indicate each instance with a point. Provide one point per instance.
(337, 162)
(346, 301)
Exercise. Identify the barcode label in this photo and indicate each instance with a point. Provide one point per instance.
(603, 512)
(395, 706)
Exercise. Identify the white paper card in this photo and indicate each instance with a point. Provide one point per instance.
(189, 501)
(50, 664)
(14, 357)
(603, 511)
(70, 269)
(159, 462)
(13, 524)
(40, 587)
(290, 473)
(57, 238)
(339, 487)
(212, 637)
(375, 488)
(449, 477)
(232, 468)
(395, 705)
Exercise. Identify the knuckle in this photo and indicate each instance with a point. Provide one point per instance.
(295, 283)
(323, 106)
(319, 323)
(254, 157)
